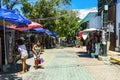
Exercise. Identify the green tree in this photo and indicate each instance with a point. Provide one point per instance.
(53, 15)
(9, 4)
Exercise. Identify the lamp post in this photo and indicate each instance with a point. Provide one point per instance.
(104, 40)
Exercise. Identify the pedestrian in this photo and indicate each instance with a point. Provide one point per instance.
(36, 53)
(23, 52)
(89, 47)
(97, 43)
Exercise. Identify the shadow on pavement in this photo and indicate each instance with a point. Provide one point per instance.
(10, 77)
(11, 74)
(83, 54)
(17, 68)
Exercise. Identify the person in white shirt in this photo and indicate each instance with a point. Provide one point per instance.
(23, 52)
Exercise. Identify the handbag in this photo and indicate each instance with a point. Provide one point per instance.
(37, 61)
(40, 60)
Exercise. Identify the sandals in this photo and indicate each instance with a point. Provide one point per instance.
(22, 72)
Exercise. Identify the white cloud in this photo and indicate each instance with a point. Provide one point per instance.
(83, 12)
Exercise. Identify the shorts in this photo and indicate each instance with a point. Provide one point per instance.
(24, 55)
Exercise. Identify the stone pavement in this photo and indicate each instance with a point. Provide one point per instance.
(60, 64)
(99, 69)
(67, 63)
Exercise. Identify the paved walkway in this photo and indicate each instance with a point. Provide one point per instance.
(63, 64)
(68, 64)
(100, 70)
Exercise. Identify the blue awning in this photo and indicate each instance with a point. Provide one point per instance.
(54, 34)
(36, 30)
(40, 30)
(13, 17)
(47, 31)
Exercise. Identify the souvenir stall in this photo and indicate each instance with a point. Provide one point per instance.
(93, 38)
(7, 18)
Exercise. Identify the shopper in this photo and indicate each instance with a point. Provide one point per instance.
(23, 52)
(36, 52)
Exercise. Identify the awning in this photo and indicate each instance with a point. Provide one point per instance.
(27, 27)
(13, 17)
(47, 31)
(35, 30)
(90, 30)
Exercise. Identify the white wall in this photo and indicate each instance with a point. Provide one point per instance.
(118, 1)
(117, 22)
(95, 22)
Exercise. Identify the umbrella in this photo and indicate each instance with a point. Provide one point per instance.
(27, 27)
(13, 17)
(90, 30)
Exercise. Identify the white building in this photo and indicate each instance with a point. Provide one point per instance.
(95, 22)
(92, 20)
(118, 25)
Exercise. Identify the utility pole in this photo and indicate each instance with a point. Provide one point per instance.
(104, 32)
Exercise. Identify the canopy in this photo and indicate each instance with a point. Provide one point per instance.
(90, 30)
(47, 31)
(40, 30)
(13, 17)
(54, 34)
(36, 30)
(27, 27)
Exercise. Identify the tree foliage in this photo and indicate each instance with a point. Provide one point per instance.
(53, 15)
(9, 4)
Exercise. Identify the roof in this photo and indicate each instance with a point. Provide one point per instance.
(89, 16)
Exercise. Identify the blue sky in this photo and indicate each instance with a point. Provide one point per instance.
(83, 4)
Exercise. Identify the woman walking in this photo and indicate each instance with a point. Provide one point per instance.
(36, 50)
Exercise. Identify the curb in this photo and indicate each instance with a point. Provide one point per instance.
(115, 59)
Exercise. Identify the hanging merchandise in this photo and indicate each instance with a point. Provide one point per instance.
(85, 35)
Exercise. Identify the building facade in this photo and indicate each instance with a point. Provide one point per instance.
(108, 17)
(118, 25)
(92, 20)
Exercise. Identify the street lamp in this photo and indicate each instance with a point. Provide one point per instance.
(104, 40)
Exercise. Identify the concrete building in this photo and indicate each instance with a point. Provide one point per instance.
(92, 20)
(118, 25)
(108, 16)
